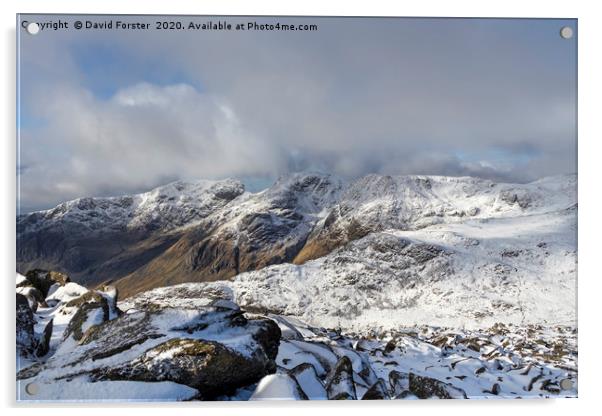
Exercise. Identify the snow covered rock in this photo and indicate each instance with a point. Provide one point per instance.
(33, 295)
(43, 280)
(210, 346)
(308, 380)
(64, 294)
(22, 281)
(378, 391)
(92, 309)
(208, 366)
(446, 275)
(340, 385)
(278, 387)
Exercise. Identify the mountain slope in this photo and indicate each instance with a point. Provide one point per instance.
(254, 231)
(213, 231)
(477, 273)
(97, 239)
(375, 203)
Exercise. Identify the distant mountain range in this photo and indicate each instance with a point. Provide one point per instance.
(316, 246)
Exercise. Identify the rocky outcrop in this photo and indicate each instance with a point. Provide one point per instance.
(208, 231)
(28, 342)
(192, 341)
(43, 280)
(207, 344)
(25, 336)
(91, 309)
(208, 366)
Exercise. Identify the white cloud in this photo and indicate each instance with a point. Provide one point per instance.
(358, 96)
(143, 136)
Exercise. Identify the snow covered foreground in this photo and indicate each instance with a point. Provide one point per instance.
(191, 342)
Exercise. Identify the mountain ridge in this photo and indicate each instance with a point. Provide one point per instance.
(214, 230)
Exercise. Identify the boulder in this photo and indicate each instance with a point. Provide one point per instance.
(378, 391)
(340, 385)
(118, 335)
(214, 349)
(389, 347)
(44, 279)
(57, 277)
(64, 294)
(28, 342)
(22, 281)
(111, 294)
(207, 366)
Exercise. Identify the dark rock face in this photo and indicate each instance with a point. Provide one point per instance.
(268, 336)
(44, 341)
(118, 335)
(378, 391)
(263, 230)
(26, 340)
(340, 385)
(34, 297)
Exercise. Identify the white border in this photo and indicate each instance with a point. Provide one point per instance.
(590, 211)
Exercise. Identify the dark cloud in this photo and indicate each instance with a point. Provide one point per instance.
(489, 98)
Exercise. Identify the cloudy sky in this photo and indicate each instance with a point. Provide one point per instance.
(112, 112)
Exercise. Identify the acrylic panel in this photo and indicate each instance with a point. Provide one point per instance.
(295, 208)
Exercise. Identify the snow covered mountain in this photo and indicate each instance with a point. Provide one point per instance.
(388, 250)
(98, 239)
(383, 287)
